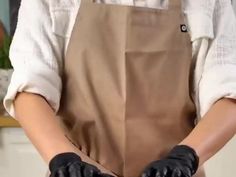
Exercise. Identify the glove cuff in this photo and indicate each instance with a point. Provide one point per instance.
(63, 159)
(187, 154)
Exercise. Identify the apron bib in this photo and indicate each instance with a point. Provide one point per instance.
(126, 85)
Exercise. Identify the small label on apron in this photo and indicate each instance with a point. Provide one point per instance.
(183, 28)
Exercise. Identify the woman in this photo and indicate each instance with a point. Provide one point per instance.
(125, 85)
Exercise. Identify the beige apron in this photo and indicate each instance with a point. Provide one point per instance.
(126, 97)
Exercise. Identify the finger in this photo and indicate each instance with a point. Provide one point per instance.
(89, 170)
(144, 175)
(104, 175)
(75, 170)
(147, 173)
(165, 172)
(176, 173)
(62, 172)
(158, 174)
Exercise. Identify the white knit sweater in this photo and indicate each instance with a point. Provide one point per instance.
(44, 27)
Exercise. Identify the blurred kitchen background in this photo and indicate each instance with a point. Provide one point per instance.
(18, 158)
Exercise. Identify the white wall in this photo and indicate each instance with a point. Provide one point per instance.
(4, 14)
(223, 164)
(234, 4)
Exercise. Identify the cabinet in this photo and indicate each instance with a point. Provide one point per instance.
(223, 163)
(18, 158)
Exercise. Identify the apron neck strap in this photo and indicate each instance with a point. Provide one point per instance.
(173, 4)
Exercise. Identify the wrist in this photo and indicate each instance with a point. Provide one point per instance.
(187, 155)
(63, 159)
(196, 146)
(59, 148)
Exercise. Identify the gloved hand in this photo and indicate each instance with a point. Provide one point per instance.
(182, 161)
(70, 165)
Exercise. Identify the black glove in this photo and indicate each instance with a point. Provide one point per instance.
(70, 165)
(182, 161)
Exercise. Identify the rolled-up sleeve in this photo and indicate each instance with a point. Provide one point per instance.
(198, 15)
(36, 54)
(218, 78)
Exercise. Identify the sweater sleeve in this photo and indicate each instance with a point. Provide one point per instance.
(36, 54)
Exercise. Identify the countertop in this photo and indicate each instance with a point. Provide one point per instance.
(6, 121)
